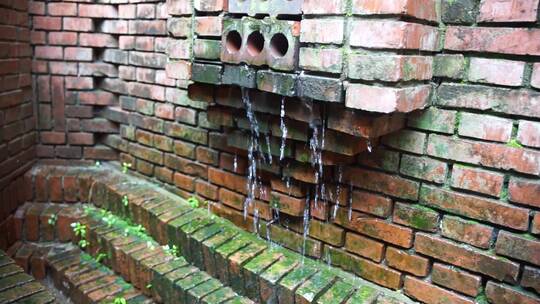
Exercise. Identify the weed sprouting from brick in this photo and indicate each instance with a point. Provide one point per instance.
(52, 220)
(126, 167)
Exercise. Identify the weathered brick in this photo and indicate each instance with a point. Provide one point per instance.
(325, 31)
(387, 99)
(477, 180)
(456, 279)
(416, 216)
(496, 71)
(501, 294)
(508, 244)
(428, 293)
(404, 261)
(529, 133)
(524, 191)
(466, 231)
(508, 11)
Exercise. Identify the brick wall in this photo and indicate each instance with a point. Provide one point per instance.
(17, 119)
(446, 208)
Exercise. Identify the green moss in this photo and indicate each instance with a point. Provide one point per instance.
(514, 143)
(419, 221)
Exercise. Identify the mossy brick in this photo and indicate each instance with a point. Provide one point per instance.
(279, 83)
(175, 224)
(196, 240)
(186, 132)
(136, 209)
(364, 295)
(81, 291)
(449, 66)
(268, 289)
(170, 293)
(290, 282)
(145, 214)
(185, 235)
(195, 294)
(47, 230)
(218, 296)
(239, 300)
(135, 268)
(184, 285)
(459, 11)
(43, 297)
(207, 49)
(113, 248)
(165, 219)
(416, 216)
(320, 88)
(240, 75)
(5, 260)
(206, 73)
(21, 291)
(210, 245)
(101, 293)
(122, 256)
(433, 119)
(154, 214)
(295, 241)
(314, 287)
(238, 259)
(14, 280)
(338, 293)
(255, 267)
(159, 281)
(224, 251)
(407, 140)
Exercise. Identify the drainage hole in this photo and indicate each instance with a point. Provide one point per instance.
(233, 41)
(255, 43)
(279, 45)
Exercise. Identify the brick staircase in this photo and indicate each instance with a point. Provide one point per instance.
(144, 244)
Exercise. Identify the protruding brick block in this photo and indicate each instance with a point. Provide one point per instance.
(387, 99)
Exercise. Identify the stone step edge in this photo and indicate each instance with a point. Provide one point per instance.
(83, 279)
(229, 253)
(18, 287)
(157, 271)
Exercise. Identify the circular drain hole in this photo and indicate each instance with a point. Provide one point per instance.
(255, 43)
(233, 41)
(279, 45)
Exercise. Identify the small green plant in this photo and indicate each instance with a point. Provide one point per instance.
(80, 231)
(125, 200)
(514, 143)
(125, 167)
(173, 250)
(100, 257)
(52, 220)
(98, 163)
(193, 202)
(149, 286)
(119, 300)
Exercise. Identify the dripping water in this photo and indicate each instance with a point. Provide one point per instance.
(252, 150)
(283, 129)
(235, 162)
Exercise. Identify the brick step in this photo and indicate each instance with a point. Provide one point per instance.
(158, 271)
(19, 287)
(85, 280)
(242, 260)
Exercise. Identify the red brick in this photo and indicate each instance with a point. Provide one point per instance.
(424, 9)
(86, 139)
(496, 71)
(329, 7)
(364, 246)
(466, 231)
(62, 9)
(381, 182)
(431, 294)
(485, 127)
(456, 279)
(486, 154)
(165, 111)
(406, 262)
(322, 31)
(504, 294)
(524, 191)
(209, 5)
(518, 247)
(475, 207)
(62, 38)
(185, 182)
(208, 25)
(466, 257)
(415, 216)
(531, 278)
(529, 133)
(321, 59)
(477, 180)
(370, 203)
(517, 41)
(78, 24)
(206, 190)
(97, 98)
(382, 34)
(536, 223)
(47, 23)
(98, 11)
(48, 52)
(387, 99)
(535, 79)
(290, 205)
(175, 7)
(375, 228)
(179, 69)
(508, 11)
(57, 138)
(97, 40)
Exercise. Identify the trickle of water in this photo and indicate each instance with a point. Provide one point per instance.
(338, 191)
(268, 148)
(306, 226)
(256, 221)
(235, 163)
(283, 129)
(369, 147)
(253, 148)
(350, 201)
